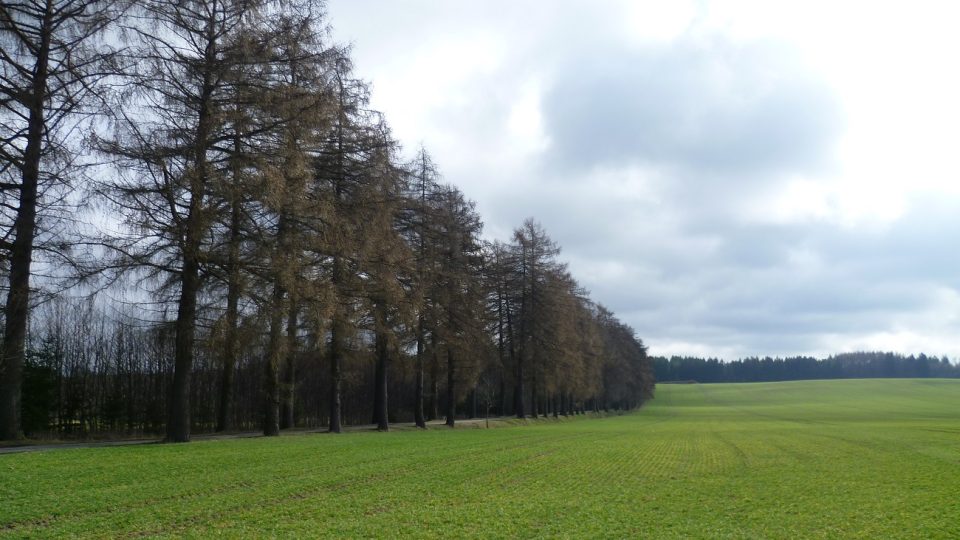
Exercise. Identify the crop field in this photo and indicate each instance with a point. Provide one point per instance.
(853, 458)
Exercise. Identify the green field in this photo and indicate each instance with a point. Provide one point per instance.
(856, 458)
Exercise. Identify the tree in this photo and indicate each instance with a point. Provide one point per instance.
(386, 260)
(459, 296)
(231, 254)
(256, 191)
(417, 225)
(344, 176)
(560, 336)
(168, 150)
(298, 104)
(52, 61)
(497, 271)
(280, 104)
(535, 256)
(628, 374)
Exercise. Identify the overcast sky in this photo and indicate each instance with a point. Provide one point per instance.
(731, 178)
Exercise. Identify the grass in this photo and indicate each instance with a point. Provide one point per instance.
(855, 458)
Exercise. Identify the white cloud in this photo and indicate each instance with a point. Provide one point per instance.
(732, 177)
(525, 123)
(646, 21)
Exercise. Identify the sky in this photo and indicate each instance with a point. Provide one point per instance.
(732, 178)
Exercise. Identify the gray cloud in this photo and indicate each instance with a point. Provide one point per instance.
(658, 155)
(707, 107)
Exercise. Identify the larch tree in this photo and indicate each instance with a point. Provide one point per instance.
(459, 295)
(627, 373)
(282, 106)
(256, 192)
(52, 60)
(168, 148)
(342, 178)
(233, 249)
(535, 255)
(386, 260)
(498, 272)
(300, 105)
(551, 337)
(418, 226)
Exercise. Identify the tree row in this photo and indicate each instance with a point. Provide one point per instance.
(262, 253)
(854, 365)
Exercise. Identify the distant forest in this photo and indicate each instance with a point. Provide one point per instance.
(204, 226)
(856, 365)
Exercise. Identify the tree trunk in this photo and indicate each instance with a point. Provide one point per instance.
(451, 390)
(518, 361)
(418, 389)
(17, 308)
(434, 382)
(380, 377)
(534, 401)
(178, 421)
(288, 386)
(501, 350)
(503, 394)
(337, 329)
(518, 393)
(225, 411)
(271, 376)
(178, 418)
(338, 326)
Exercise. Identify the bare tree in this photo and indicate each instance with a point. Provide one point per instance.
(303, 107)
(418, 225)
(388, 261)
(256, 191)
(459, 295)
(51, 62)
(167, 147)
(343, 175)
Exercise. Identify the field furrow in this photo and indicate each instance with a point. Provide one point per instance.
(860, 459)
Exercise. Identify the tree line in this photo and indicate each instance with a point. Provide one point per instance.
(855, 365)
(252, 248)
